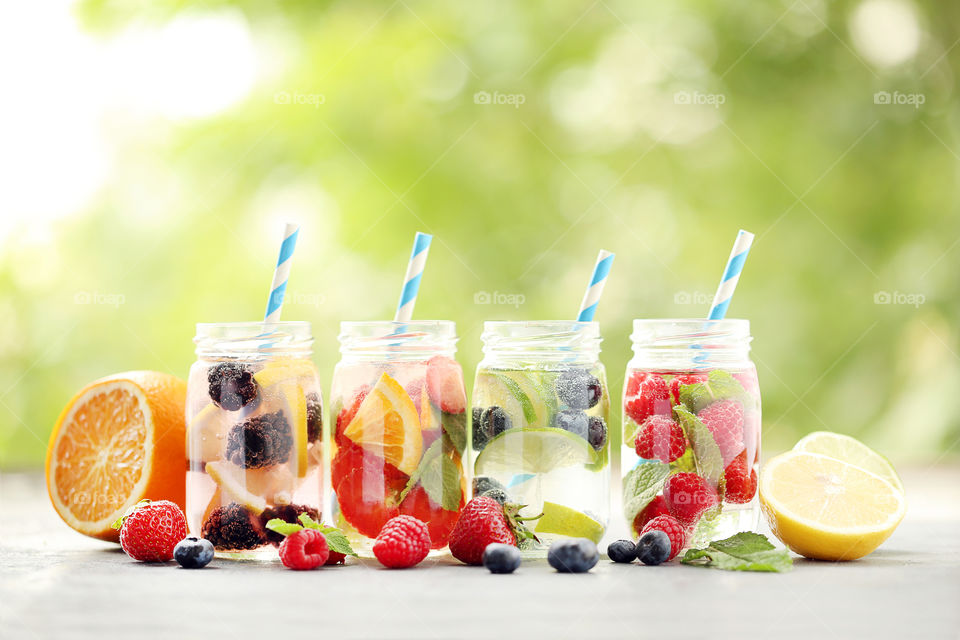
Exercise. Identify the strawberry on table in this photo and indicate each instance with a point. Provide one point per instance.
(485, 521)
(149, 531)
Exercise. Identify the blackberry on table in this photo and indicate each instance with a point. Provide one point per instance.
(231, 385)
(261, 441)
(578, 389)
(233, 527)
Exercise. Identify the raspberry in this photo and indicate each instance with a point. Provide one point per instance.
(657, 507)
(231, 385)
(261, 441)
(233, 527)
(403, 542)
(741, 481)
(445, 384)
(684, 378)
(439, 521)
(670, 526)
(151, 530)
(647, 394)
(304, 549)
(724, 418)
(687, 496)
(660, 438)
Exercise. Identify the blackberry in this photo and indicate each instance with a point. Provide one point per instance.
(573, 555)
(572, 420)
(622, 551)
(288, 513)
(482, 484)
(501, 558)
(314, 417)
(597, 432)
(261, 441)
(193, 553)
(653, 547)
(231, 385)
(232, 527)
(578, 389)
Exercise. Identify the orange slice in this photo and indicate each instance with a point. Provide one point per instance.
(387, 425)
(119, 440)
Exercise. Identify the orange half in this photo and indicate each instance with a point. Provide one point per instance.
(387, 425)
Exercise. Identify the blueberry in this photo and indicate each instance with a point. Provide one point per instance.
(578, 389)
(572, 420)
(193, 552)
(482, 484)
(597, 432)
(495, 421)
(501, 558)
(622, 551)
(479, 437)
(653, 547)
(573, 555)
(497, 494)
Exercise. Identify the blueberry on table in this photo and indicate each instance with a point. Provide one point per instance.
(622, 551)
(597, 432)
(193, 553)
(573, 555)
(501, 558)
(572, 420)
(578, 389)
(653, 547)
(231, 385)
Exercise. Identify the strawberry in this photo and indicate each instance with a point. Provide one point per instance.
(367, 487)
(403, 542)
(485, 521)
(687, 496)
(445, 384)
(660, 438)
(741, 480)
(670, 526)
(150, 530)
(684, 378)
(304, 549)
(440, 522)
(657, 507)
(724, 418)
(647, 394)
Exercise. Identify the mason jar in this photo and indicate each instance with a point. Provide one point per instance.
(539, 427)
(254, 433)
(398, 429)
(691, 427)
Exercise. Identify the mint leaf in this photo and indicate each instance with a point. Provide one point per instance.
(283, 527)
(705, 450)
(746, 551)
(719, 385)
(642, 485)
(439, 476)
(455, 426)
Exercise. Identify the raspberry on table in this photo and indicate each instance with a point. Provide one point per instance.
(403, 542)
(304, 549)
(261, 441)
(724, 419)
(233, 527)
(661, 438)
(741, 480)
(232, 386)
(687, 496)
(647, 394)
(674, 530)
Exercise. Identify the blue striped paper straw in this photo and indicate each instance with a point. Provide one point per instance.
(411, 282)
(731, 275)
(588, 306)
(282, 273)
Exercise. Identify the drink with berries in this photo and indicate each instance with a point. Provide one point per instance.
(539, 427)
(254, 432)
(398, 429)
(691, 428)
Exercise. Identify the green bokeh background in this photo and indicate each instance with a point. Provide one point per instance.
(847, 198)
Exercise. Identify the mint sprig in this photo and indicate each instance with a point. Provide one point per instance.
(719, 385)
(336, 540)
(745, 551)
(440, 477)
(641, 485)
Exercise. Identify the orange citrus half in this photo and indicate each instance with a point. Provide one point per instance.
(119, 440)
(387, 425)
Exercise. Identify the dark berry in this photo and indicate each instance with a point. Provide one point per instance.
(622, 551)
(233, 527)
(497, 494)
(597, 432)
(288, 513)
(482, 484)
(501, 558)
(653, 547)
(314, 417)
(193, 553)
(261, 441)
(479, 437)
(231, 385)
(495, 421)
(578, 389)
(572, 420)
(573, 555)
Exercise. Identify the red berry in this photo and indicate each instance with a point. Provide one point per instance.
(440, 522)
(749, 381)
(335, 558)
(660, 438)
(684, 378)
(304, 549)
(741, 481)
(445, 384)
(403, 542)
(151, 531)
(670, 526)
(482, 522)
(657, 507)
(724, 418)
(367, 488)
(688, 496)
(649, 396)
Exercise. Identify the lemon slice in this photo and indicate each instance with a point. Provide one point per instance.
(827, 509)
(232, 483)
(851, 451)
(429, 415)
(561, 520)
(387, 425)
(207, 430)
(284, 369)
(533, 451)
(295, 408)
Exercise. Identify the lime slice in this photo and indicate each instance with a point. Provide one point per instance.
(561, 520)
(533, 451)
(851, 451)
(525, 396)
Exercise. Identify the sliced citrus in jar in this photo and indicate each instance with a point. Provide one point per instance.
(233, 483)
(561, 520)
(824, 508)
(295, 408)
(851, 451)
(208, 432)
(282, 369)
(387, 425)
(119, 440)
(533, 451)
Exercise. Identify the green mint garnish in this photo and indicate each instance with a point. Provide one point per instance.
(642, 485)
(282, 527)
(719, 385)
(709, 461)
(746, 551)
(455, 427)
(439, 476)
(336, 540)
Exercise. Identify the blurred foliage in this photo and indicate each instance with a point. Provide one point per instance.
(847, 197)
